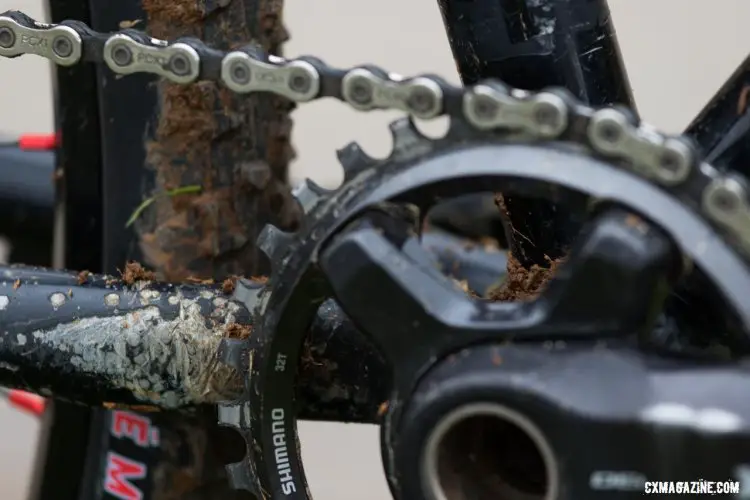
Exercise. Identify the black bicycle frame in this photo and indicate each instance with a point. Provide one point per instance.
(534, 44)
(101, 119)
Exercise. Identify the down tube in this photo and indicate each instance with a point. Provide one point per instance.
(533, 44)
(722, 128)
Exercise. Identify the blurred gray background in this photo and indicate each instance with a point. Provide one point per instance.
(677, 53)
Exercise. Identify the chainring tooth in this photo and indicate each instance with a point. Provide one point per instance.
(241, 475)
(309, 194)
(354, 160)
(408, 141)
(274, 242)
(248, 292)
(233, 353)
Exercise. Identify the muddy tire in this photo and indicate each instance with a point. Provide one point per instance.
(236, 149)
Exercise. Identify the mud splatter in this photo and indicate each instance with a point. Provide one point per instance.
(383, 409)
(524, 284)
(237, 331)
(164, 361)
(229, 284)
(83, 277)
(521, 283)
(134, 272)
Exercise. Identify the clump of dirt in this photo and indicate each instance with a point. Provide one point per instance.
(186, 17)
(229, 285)
(522, 284)
(134, 272)
(383, 409)
(237, 331)
(83, 277)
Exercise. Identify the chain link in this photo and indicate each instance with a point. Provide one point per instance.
(671, 162)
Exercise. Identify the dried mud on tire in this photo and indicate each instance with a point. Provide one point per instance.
(236, 149)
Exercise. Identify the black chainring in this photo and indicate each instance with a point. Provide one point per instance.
(334, 251)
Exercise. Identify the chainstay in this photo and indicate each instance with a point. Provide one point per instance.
(672, 162)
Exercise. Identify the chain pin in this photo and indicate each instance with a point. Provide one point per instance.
(62, 46)
(121, 55)
(484, 107)
(299, 81)
(240, 72)
(7, 38)
(360, 91)
(421, 101)
(725, 200)
(180, 65)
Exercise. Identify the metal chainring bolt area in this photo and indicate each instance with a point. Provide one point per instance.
(418, 316)
(7, 37)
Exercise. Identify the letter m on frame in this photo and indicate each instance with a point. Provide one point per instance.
(120, 473)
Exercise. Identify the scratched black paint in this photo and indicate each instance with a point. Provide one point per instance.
(534, 44)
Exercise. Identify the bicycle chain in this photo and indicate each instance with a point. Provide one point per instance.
(672, 162)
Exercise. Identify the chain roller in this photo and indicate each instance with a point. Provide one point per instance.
(669, 161)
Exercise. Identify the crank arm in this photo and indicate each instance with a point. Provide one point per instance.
(98, 339)
(512, 421)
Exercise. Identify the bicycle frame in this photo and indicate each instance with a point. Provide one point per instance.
(100, 186)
